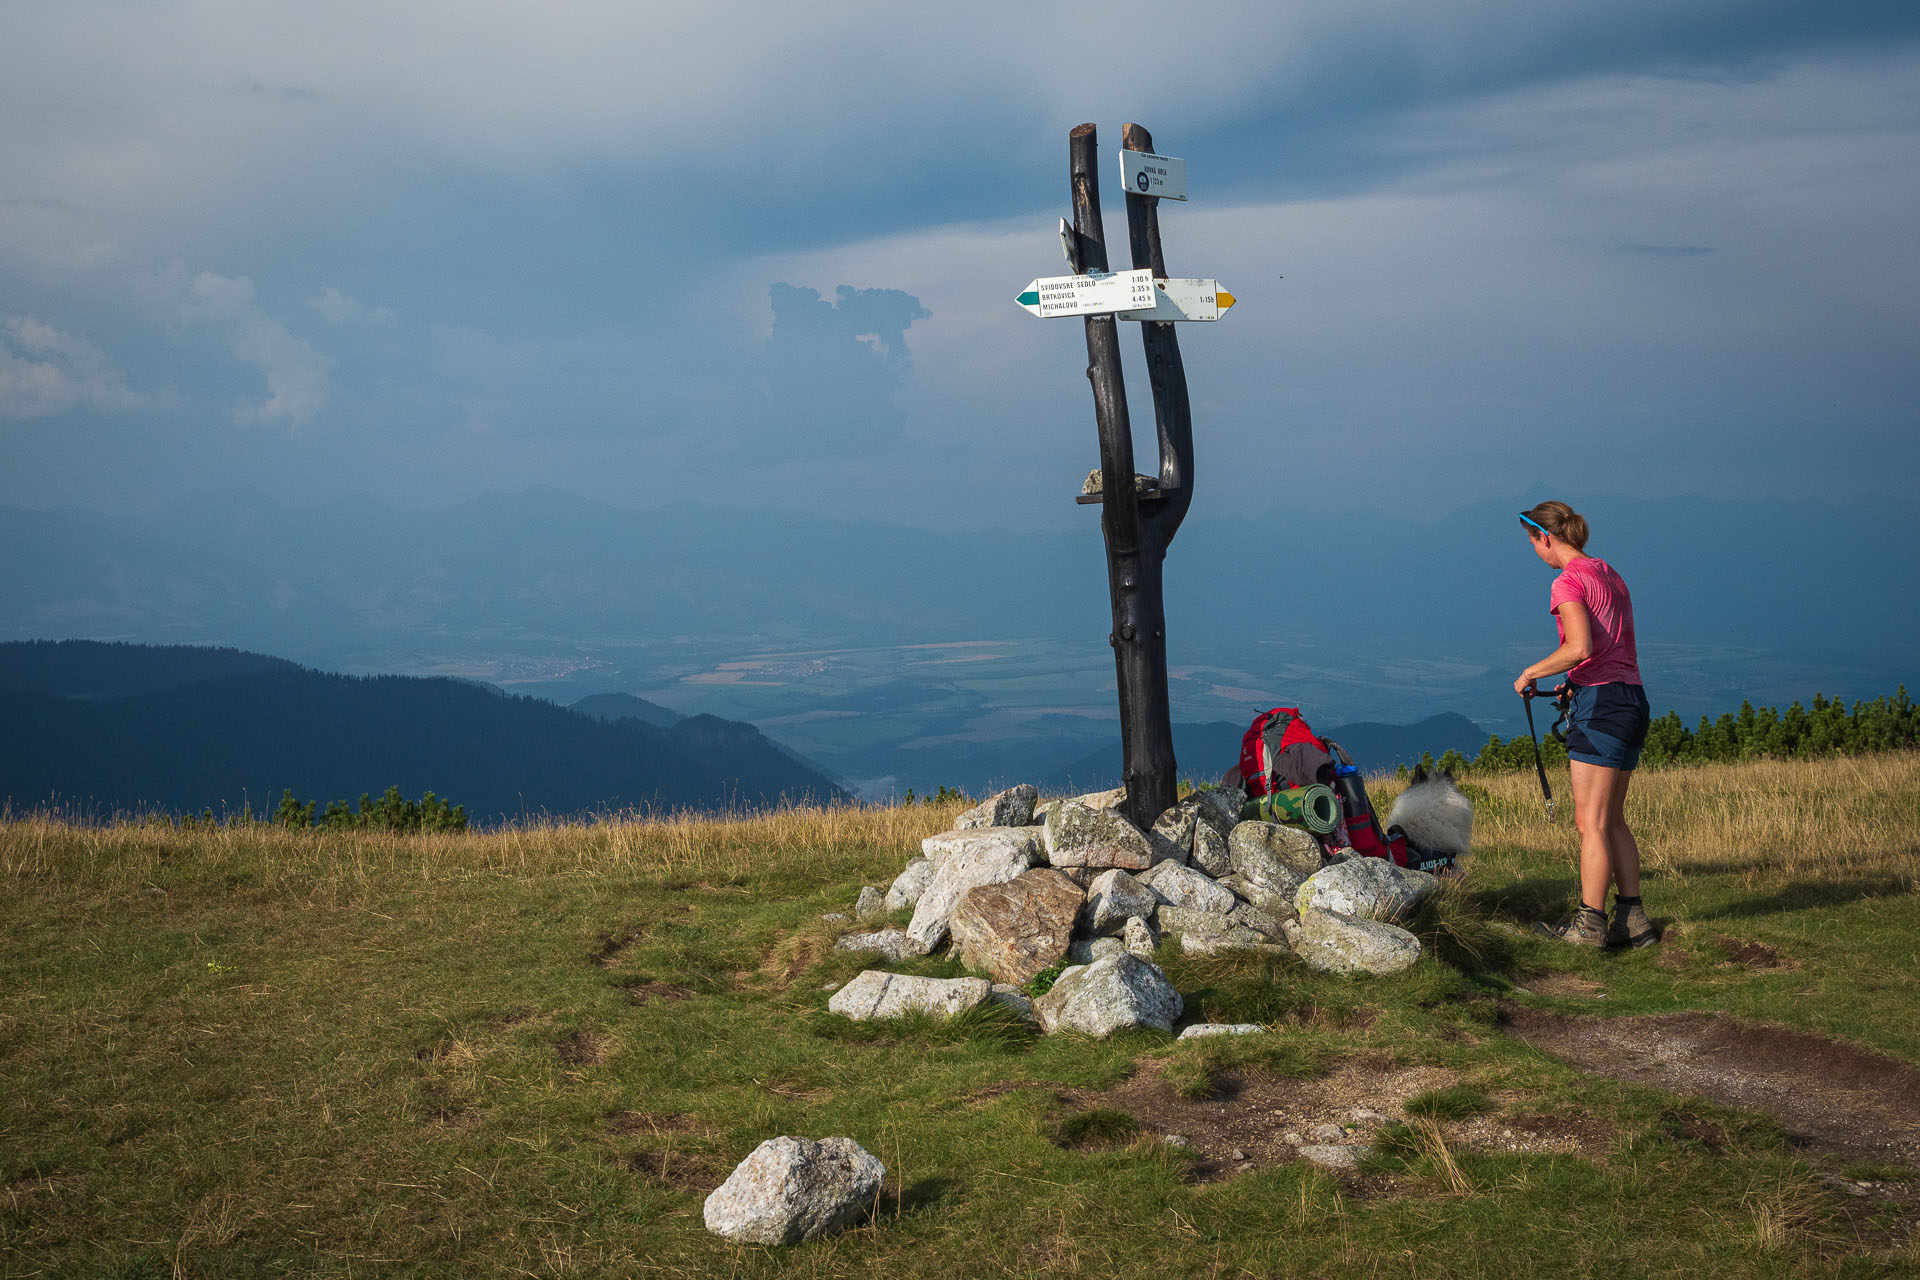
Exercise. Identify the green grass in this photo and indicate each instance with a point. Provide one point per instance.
(251, 1052)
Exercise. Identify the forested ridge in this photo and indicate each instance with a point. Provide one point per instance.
(99, 729)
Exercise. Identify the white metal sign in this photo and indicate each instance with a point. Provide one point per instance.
(1182, 299)
(1089, 295)
(1147, 174)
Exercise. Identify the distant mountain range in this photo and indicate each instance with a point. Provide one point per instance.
(103, 728)
(909, 657)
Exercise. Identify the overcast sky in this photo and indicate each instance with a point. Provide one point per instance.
(755, 253)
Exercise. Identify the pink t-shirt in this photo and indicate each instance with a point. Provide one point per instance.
(1593, 583)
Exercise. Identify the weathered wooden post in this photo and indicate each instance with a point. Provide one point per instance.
(1137, 518)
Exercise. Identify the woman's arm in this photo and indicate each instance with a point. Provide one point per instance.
(1574, 650)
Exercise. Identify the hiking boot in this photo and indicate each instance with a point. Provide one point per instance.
(1584, 928)
(1631, 928)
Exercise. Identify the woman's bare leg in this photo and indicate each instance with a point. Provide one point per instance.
(1621, 845)
(1594, 810)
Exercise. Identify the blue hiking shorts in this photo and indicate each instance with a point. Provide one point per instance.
(1607, 724)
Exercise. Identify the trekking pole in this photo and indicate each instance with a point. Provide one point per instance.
(1546, 792)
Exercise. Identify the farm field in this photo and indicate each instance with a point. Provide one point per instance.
(251, 1051)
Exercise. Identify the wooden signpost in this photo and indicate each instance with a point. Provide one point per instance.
(1138, 522)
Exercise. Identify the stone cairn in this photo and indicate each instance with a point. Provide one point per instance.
(1019, 887)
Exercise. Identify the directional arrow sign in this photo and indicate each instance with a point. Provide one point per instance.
(1184, 300)
(1089, 295)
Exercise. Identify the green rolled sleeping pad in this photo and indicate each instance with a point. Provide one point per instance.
(1314, 808)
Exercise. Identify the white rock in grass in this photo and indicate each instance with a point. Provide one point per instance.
(1332, 1157)
(1334, 943)
(910, 884)
(794, 1189)
(871, 902)
(1109, 994)
(879, 994)
(893, 945)
(1202, 1030)
(1369, 888)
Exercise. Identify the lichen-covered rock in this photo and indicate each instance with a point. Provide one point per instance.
(1203, 1030)
(879, 994)
(871, 902)
(910, 884)
(1334, 943)
(794, 1189)
(893, 945)
(940, 847)
(1015, 929)
(1109, 994)
(1172, 834)
(1252, 917)
(990, 861)
(1272, 902)
(1235, 937)
(1210, 851)
(1220, 807)
(1140, 938)
(1186, 920)
(1086, 950)
(1079, 835)
(1182, 886)
(1112, 898)
(1370, 888)
(1101, 799)
(1262, 851)
(1010, 808)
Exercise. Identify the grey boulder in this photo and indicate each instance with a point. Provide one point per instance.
(1172, 834)
(910, 884)
(947, 843)
(1370, 888)
(1079, 835)
(1273, 854)
(1087, 950)
(993, 859)
(1140, 937)
(1010, 808)
(794, 1189)
(1110, 994)
(879, 994)
(1335, 943)
(1210, 853)
(1113, 898)
(892, 945)
(1182, 886)
(871, 902)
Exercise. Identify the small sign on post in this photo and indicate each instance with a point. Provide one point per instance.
(1093, 294)
(1151, 175)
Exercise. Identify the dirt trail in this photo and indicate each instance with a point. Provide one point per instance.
(1852, 1103)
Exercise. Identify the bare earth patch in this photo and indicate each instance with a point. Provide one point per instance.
(645, 989)
(1860, 1106)
(1564, 985)
(1254, 1120)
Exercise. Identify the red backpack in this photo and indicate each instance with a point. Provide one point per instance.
(1279, 750)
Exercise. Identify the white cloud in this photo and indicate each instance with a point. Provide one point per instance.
(44, 371)
(338, 308)
(297, 375)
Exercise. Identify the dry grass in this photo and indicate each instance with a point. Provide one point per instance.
(1762, 819)
(51, 851)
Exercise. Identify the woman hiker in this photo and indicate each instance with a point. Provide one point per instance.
(1606, 725)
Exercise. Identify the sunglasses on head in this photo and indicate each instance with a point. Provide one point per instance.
(1532, 523)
